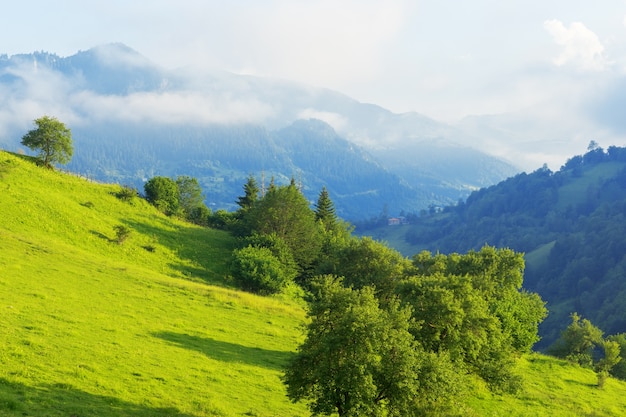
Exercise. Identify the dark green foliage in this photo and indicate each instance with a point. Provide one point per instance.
(52, 139)
(611, 356)
(251, 194)
(285, 213)
(200, 215)
(256, 269)
(222, 219)
(325, 211)
(162, 192)
(582, 343)
(357, 359)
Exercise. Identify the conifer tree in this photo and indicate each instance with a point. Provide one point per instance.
(325, 210)
(251, 194)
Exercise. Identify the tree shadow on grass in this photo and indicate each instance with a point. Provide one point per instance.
(63, 400)
(101, 235)
(228, 352)
(207, 251)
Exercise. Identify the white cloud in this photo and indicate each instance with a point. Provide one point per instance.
(172, 108)
(581, 47)
(337, 121)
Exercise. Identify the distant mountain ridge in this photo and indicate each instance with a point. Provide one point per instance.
(132, 119)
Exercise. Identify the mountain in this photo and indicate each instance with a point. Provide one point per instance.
(571, 225)
(131, 120)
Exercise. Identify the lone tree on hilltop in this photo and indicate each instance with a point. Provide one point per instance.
(52, 139)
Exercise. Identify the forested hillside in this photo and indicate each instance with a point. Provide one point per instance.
(132, 120)
(571, 224)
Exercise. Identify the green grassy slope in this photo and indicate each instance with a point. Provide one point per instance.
(93, 328)
(150, 328)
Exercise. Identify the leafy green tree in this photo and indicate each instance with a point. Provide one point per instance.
(611, 357)
(162, 192)
(619, 370)
(279, 249)
(472, 307)
(285, 212)
(200, 215)
(256, 269)
(577, 341)
(365, 262)
(52, 139)
(357, 359)
(189, 196)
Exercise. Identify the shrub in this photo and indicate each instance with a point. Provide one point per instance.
(127, 193)
(121, 233)
(257, 270)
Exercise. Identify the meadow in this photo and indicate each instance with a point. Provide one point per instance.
(154, 327)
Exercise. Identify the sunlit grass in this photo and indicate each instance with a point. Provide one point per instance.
(94, 328)
(151, 327)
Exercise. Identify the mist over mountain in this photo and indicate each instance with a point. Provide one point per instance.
(132, 120)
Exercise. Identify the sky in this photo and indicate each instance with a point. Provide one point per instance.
(447, 59)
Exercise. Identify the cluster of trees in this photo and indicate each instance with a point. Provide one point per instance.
(574, 222)
(181, 197)
(387, 335)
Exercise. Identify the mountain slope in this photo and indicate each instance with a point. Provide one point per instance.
(96, 329)
(131, 118)
(570, 224)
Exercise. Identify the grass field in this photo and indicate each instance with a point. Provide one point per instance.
(94, 328)
(151, 327)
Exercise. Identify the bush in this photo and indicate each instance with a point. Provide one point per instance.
(127, 193)
(121, 233)
(257, 270)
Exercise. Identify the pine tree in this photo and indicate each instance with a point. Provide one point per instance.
(325, 210)
(251, 194)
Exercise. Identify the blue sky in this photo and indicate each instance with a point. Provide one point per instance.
(442, 58)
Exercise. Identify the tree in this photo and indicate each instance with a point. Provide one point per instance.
(251, 194)
(603, 366)
(578, 341)
(162, 192)
(365, 262)
(619, 370)
(52, 139)
(472, 307)
(285, 212)
(189, 195)
(325, 210)
(357, 359)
